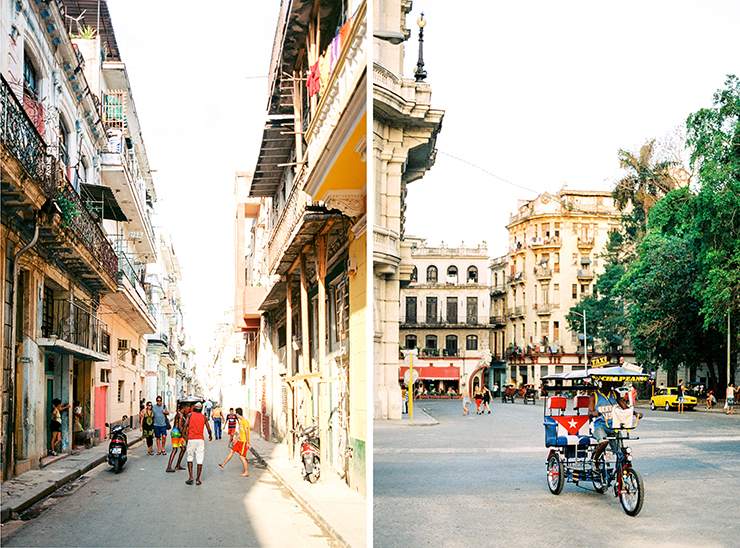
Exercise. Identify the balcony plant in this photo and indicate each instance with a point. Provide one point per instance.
(68, 207)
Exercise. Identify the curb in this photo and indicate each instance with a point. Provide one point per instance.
(306, 506)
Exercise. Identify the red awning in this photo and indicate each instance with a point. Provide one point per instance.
(431, 373)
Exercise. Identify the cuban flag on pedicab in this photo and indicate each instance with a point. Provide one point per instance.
(572, 426)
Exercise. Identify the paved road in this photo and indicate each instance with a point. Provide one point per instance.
(144, 506)
(480, 481)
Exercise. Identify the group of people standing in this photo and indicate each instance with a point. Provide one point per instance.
(481, 396)
(187, 434)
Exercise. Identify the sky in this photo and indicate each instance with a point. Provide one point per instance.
(198, 74)
(538, 94)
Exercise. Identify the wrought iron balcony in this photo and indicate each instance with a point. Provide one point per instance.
(24, 142)
(19, 134)
(444, 321)
(81, 329)
(290, 217)
(78, 219)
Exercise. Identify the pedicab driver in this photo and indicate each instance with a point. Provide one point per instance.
(600, 411)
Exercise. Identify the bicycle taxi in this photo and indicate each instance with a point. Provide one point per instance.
(571, 443)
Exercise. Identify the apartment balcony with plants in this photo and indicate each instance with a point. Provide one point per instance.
(35, 184)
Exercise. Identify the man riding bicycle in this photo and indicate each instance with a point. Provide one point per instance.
(600, 411)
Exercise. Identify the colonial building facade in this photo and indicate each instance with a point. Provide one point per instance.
(555, 246)
(405, 128)
(445, 316)
(306, 350)
(76, 234)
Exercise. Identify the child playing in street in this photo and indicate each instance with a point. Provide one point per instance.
(242, 445)
(231, 425)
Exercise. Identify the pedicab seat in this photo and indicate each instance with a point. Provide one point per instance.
(563, 430)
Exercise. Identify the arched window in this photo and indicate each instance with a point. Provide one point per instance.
(432, 274)
(30, 78)
(31, 93)
(471, 342)
(452, 275)
(415, 275)
(472, 275)
(451, 345)
(431, 342)
(410, 342)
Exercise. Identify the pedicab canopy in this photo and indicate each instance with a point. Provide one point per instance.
(585, 377)
(191, 399)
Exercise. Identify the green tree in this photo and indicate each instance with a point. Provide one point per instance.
(714, 135)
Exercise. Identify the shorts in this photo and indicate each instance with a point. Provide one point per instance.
(232, 430)
(680, 399)
(601, 434)
(160, 431)
(241, 447)
(730, 402)
(55, 426)
(196, 449)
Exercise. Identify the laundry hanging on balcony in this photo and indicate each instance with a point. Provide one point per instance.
(321, 70)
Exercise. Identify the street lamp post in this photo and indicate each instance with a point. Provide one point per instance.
(585, 340)
(419, 72)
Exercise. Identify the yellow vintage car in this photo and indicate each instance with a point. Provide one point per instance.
(668, 397)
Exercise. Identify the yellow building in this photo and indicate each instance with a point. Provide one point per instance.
(306, 202)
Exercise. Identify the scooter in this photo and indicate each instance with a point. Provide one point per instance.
(310, 453)
(118, 446)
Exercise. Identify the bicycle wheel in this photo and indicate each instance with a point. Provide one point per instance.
(633, 492)
(555, 479)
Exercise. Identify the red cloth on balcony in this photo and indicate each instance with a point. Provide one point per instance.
(314, 80)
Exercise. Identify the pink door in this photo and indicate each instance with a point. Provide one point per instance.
(101, 407)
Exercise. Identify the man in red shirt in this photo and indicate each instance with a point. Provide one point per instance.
(196, 442)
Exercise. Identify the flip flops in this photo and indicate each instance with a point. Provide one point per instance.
(189, 482)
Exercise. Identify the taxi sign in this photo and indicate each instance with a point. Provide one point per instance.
(598, 362)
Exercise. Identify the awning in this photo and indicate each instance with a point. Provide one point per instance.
(278, 141)
(103, 201)
(432, 373)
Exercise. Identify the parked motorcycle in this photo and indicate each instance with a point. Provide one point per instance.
(118, 446)
(309, 440)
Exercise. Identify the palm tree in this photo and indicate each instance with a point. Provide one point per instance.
(647, 180)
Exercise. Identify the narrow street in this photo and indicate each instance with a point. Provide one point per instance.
(145, 506)
(472, 481)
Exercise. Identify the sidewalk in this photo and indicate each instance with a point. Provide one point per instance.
(421, 418)
(339, 509)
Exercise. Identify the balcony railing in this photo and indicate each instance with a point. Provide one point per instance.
(585, 273)
(537, 243)
(77, 217)
(289, 218)
(515, 278)
(444, 320)
(545, 308)
(542, 272)
(20, 135)
(74, 324)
